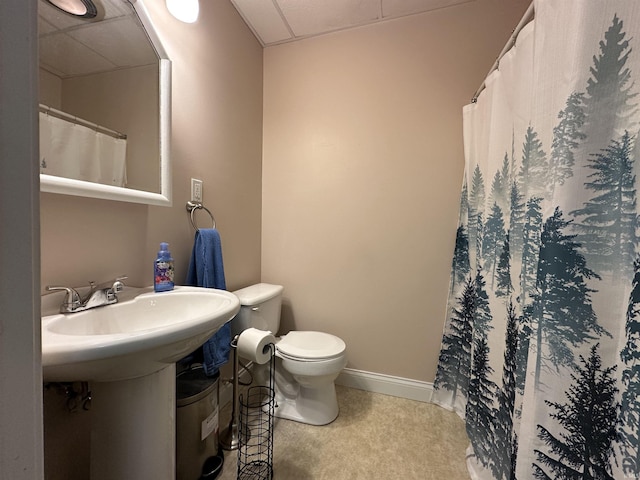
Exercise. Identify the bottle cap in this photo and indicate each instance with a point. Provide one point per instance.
(164, 251)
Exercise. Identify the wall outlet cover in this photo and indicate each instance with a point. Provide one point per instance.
(196, 190)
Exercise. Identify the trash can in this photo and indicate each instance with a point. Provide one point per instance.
(196, 423)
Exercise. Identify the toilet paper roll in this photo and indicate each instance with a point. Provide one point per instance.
(253, 344)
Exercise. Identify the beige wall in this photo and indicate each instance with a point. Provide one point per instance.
(217, 137)
(362, 167)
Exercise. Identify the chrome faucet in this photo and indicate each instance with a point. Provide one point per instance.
(98, 296)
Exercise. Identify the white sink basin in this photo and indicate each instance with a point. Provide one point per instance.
(139, 335)
(128, 352)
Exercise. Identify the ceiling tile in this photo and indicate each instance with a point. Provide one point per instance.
(114, 8)
(264, 19)
(114, 39)
(58, 18)
(312, 17)
(45, 27)
(277, 21)
(106, 9)
(399, 8)
(120, 40)
(70, 57)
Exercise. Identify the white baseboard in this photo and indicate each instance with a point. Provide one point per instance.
(386, 384)
(368, 381)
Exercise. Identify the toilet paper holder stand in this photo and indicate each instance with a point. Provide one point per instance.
(257, 411)
(230, 436)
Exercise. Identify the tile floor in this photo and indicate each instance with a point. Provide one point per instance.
(375, 437)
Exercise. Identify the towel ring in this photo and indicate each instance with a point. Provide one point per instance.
(192, 207)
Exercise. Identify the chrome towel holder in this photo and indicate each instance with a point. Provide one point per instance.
(192, 207)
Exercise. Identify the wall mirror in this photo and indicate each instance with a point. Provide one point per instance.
(105, 118)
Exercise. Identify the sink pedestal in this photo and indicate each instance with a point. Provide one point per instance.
(133, 427)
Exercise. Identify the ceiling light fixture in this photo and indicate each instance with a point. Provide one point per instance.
(78, 8)
(184, 10)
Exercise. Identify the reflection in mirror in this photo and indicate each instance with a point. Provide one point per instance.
(79, 8)
(104, 104)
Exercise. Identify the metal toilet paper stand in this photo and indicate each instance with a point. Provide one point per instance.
(255, 451)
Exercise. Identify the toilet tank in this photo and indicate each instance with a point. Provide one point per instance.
(260, 307)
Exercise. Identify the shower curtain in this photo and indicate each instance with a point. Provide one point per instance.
(541, 346)
(71, 150)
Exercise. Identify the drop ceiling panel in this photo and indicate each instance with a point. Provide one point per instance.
(106, 9)
(312, 17)
(114, 39)
(57, 18)
(70, 56)
(278, 21)
(399, 8)
(45, 27)
(120, 41)
(263, 17)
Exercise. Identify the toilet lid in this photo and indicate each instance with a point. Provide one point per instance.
(311, 345)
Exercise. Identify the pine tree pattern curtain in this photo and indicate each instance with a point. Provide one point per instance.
(541, 346)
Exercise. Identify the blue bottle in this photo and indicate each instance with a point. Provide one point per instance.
(163, 274)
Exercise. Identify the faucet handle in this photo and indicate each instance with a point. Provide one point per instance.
(118, 284)
(115, 288)
(71, 300)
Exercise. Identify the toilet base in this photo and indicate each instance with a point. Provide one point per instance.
(311, 405)
(302, 398)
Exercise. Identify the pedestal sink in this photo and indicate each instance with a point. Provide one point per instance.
(128, 352)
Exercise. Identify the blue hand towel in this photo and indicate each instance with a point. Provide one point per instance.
(207, 270)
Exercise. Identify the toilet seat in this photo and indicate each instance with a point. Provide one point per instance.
(310, 346)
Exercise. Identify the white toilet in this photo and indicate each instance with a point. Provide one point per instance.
(307, 363)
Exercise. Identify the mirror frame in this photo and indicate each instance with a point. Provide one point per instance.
(67, 186)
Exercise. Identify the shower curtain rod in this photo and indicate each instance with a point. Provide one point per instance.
(79, 121)
(528, 15)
